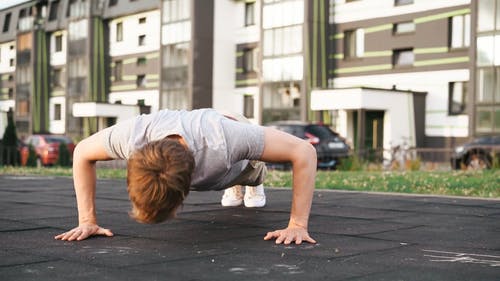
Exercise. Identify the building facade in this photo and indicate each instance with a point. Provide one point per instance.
(446, 50)
(381, 72)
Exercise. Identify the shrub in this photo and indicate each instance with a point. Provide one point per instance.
(413, 164)
(31, 162)
(64, 159)
(495, 163)
(351, 163)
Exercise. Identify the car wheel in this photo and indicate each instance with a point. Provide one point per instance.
(478, 161)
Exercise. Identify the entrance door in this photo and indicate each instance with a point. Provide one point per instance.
(374, 130)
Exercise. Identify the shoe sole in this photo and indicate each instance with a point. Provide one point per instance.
(255, 205)
(231, 203)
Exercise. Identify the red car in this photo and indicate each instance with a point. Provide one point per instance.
(46, 148)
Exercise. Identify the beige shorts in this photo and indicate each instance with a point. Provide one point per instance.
(255, 172)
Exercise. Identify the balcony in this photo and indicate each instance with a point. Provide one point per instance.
(26, 24)
(79, 10)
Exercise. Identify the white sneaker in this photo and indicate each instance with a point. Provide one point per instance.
(255, 196)
(232, 197)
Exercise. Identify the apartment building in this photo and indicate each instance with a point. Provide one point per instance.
(399, 71)
(485, 103)
(381, 72)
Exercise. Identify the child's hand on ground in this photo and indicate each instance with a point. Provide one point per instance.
(83, 231)
(290, 234)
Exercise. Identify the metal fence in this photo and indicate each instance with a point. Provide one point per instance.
(407, 158)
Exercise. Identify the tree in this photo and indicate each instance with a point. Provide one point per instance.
(9, 144)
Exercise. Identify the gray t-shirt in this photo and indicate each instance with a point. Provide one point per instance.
(221, 147)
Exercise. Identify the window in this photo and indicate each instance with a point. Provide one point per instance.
(141, 81)
(77, 67)
(176, 55)
(54, 6)
(250, 60)
(118, 70)
(404, 27)
(457, 98)
(484, 119)
(354, 43)
(486, 85)
(402, 2)
(119, 31)
(142, 40)
(56, 78)
(486, 15)
(113, 2)
(403, 57)
(6, 22)
(24, 42)
(248, 104)
(58, 43)
(485, 50)
(142, 20)
(78, 30)
(249, 13)
(176, 10)
(460, 31)
(57, 111)
(141, 61)
(22, 108)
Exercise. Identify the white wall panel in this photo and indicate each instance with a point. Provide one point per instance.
(7, 52)
(370, 9)
(132, 29)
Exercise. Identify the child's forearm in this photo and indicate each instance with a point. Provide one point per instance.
(304, 175)
(84, 177)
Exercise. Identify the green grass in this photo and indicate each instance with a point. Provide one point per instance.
(458, 183)
(60, 172)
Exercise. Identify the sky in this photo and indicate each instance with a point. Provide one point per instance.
(8, 3)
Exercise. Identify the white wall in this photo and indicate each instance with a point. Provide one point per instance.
(57, 126)
(230, 30)
(226, 18)
(91, 109)
(132, 29)
(6, 54)
(370, 9)
(437, 121)
(399, 123)
(58, 58)
(150, 98)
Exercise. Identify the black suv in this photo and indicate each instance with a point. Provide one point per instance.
(329, 145)
(477, 154)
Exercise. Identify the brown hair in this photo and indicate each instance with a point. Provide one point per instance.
(158, 179)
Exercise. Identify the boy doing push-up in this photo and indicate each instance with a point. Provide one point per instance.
(171, 152)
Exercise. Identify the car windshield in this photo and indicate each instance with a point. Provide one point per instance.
(321, 132)
(54, 139)
(293, 130)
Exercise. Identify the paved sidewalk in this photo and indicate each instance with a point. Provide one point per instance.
(360, 236)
